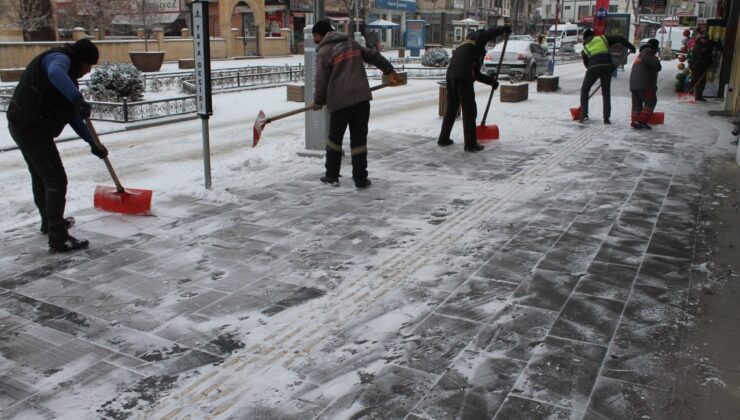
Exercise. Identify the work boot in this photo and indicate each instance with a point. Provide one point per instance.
(583, 119)
(607, 121)
(646, 126)
(362, 184)
(474, 148)
(68, 244)
(68, 223)
(444, 143)
(334, 182)
(637, 126)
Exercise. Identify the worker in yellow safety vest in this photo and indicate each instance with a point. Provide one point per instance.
(598, 61)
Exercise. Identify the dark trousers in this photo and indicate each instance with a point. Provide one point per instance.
(460, 92)
(698, 81)
(357, 117)
(48, 178)
(643, 105)
(604, 74)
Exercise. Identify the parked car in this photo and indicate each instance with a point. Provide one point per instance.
(523, 59)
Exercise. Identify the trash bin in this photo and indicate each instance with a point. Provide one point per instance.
(443, 99)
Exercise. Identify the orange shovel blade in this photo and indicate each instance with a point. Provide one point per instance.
(657, 118)
(575, 113)
(131, 201)
(487, 132)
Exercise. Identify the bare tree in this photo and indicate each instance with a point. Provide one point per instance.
(100, 13)
(145, 9)
(29, 15)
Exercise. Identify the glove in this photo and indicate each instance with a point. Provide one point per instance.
(84, 109)
(315, 107)
(494, 84)
(100, 152)
(506, 29)
(395, 79)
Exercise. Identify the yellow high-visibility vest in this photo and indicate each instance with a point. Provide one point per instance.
(597, 45)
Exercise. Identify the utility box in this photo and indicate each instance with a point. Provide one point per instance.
(317, 122)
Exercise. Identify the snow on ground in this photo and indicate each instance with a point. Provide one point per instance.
(420, 253)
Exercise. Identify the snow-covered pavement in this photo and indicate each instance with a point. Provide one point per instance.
(547, 276)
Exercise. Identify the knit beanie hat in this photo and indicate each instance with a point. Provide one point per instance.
(588, 33)
(653, 44)
(85, 51)
(322, 27)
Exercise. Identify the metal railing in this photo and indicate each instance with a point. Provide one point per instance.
(247, 81)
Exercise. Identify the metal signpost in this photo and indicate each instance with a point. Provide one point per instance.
(317, 122)
(202, 54)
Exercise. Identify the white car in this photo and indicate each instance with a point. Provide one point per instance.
(523, 59)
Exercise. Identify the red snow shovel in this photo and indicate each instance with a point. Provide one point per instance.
(262, 121)
(118, 199)
(485, 132)
(576, 112)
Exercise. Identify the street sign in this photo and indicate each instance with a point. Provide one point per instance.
(662, 31)
(202, 54)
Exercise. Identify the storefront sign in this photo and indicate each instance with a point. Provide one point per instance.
(652, 4)
(688, 20)
(405, 5)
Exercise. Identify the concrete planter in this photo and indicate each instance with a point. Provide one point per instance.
(548, 83)
(147, 61)
(515, 93)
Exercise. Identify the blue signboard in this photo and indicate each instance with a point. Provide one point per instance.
(405, 5)
(415, 36)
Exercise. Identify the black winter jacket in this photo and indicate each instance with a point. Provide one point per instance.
(36, 102)
(467, 59)
(645, 70)
(703, 54)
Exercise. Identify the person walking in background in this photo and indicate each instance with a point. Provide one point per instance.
(700, 61)
(599, 64)
(463, 71)
(644, 84)
(46, 99)
(342, 85)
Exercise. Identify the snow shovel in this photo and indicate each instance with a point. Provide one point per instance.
(262, 121)
(576, 112)
(690, 97)
(119, 200)
(485, 132)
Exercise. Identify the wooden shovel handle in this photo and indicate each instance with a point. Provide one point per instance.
(308, 108)
(96, 140)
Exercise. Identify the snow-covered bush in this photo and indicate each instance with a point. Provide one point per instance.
(115, 82)
(436, 57)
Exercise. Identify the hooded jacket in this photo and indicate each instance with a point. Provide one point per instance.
(341, 79)
(467, 59)
(645, 70)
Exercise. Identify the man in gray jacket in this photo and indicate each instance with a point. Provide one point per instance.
(342, 85)
(644, 84)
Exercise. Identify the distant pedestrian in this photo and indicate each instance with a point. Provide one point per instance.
(46, 99)
(463, 71)
(598, 61)
(700, 61)
(342, 85)
(644, 85)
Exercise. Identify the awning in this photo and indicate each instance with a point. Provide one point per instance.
(152, 19)
(382, 24)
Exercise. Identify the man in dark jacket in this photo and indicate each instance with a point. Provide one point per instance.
(700, 62)
(463, 71)
(644, 84)
(45, 100)
(342, 85)
(599, 63)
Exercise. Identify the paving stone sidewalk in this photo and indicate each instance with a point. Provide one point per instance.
(542, 282)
